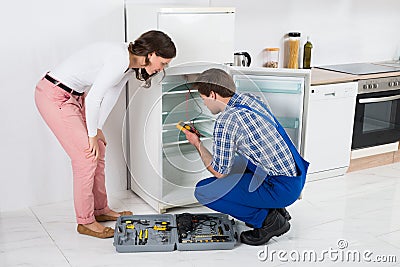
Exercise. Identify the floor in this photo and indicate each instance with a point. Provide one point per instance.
(337, 220)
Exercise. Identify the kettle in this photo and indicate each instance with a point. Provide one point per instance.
(241, 59)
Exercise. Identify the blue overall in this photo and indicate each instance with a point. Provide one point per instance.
(248, 192)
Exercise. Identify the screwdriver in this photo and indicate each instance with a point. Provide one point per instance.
(162, 223)
(146, 236)
(140, 237)
(162, 228)
(136, 234)
(141, 221)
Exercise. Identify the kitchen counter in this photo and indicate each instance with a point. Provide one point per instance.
(320, 76)
(378, 75)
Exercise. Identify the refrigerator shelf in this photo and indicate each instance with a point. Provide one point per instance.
(291, 123)
(175, 137)
(178, 92)
(172, 118)
(255, 84)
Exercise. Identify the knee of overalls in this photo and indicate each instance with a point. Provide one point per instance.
(200, 191)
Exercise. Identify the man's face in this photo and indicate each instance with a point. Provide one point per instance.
(211, 102)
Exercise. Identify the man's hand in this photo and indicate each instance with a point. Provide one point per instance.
(205, 155)
(192, 138)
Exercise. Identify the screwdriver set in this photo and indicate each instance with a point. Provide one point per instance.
(168, 232)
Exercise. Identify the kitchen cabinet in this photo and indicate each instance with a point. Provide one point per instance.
(164, 167)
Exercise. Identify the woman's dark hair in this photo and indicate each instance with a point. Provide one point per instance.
(215, 80)
(149, 42)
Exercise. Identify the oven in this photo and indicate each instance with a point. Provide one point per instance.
(377, 115)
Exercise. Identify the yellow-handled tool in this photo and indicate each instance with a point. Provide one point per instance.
(140, 237)
(183, 126)
(161, 228)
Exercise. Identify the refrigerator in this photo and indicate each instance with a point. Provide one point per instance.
(201, 34)
(164, 167)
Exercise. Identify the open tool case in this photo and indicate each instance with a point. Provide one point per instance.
(167, 232)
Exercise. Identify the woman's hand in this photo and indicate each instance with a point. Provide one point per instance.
(94, 150)
(100, 136)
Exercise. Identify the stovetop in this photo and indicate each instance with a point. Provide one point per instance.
(370, 85)
(364, 68)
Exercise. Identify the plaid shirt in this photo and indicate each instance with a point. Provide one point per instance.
(249, 134)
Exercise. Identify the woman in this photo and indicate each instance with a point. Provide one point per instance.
(77, 118)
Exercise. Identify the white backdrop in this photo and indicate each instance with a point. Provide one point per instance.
(37, 35)
(342, 31)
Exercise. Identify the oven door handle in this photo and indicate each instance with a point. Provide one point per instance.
(378, 99)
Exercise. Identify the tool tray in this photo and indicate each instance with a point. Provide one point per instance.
(167, 232)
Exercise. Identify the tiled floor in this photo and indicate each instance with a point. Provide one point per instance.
(361, 208)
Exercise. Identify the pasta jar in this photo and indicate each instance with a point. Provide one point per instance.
(271, 57)
(294, 45)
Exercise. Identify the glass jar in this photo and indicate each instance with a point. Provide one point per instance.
(294, 45)
(271, 57)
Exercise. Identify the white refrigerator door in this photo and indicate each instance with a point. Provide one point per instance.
(204, 34)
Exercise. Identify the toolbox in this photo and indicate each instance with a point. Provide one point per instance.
(168, 232)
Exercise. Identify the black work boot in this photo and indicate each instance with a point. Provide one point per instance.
(282, 211)
(285, 213)
(274, 225)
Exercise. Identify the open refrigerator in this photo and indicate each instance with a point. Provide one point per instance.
(164, 167)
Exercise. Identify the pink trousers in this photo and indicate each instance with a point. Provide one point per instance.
(64, 113)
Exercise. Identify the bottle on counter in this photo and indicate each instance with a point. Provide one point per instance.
(271, 57)
(307, 54)
(294, 45)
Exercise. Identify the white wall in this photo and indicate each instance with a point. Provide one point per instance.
(35, 36)
(342, 31)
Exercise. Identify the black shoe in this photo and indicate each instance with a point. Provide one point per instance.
(282, 211)
(274, 225)
(249, 225)
(285, 213)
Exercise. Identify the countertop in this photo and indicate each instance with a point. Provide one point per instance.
(320, 76)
